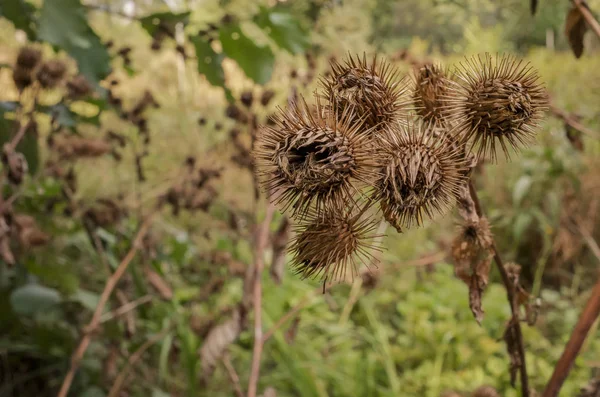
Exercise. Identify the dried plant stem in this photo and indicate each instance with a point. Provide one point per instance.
(259, 248)
(233, 376)
(510, 293)
(126, 308)
(588, 316)
(77, 355)
(133, 358)
(571, 121)
(589, 18)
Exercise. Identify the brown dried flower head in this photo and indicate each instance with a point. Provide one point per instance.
(28, 58)
(421, 175)
(497, 101)
(51, 73)
(311, 158)
(371, 88)
(429, 93)
(78, 87)
(330, 245)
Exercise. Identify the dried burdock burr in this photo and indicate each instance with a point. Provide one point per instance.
(429, 93)
(496, 101)
(371, 88)
(78, 87)
(313, 158)
(332, 246)
(420, 174)
(28, 58)
(51, 73)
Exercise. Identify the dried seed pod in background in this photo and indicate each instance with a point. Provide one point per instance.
(247, 98)
(51, 73)
(312, 157)
(496, 101)
(266, 97)
(429, 93)
(371, 88)
(28, 58)
(22, 78)
(420, 174)
(78, 87)
(331, 245)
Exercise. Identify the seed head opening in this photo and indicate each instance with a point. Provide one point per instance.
(372, 89)
(333, 245)
(421, 175)
(309, 158)
(497, 101)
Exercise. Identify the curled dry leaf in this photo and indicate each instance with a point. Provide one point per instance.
(575, 28)
(218, 340)
(511, 339)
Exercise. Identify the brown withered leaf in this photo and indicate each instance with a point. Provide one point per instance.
(159, 283)
(292, 331)
(575, 28)
(592, 389)
(512, 347)
(218, 340)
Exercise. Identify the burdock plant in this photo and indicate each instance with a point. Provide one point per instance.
(431, 86)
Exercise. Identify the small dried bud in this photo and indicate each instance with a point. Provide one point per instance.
(28, 58)
(22, 78)
(51, 73)
(201, 121)
(370, 89)
(233, 112)
(420, 174)
(247, 98)
(15, 163)
(330, 245)
(78, 87)
(498, 100)
(313, 157)
(266, 97)
(431, 86)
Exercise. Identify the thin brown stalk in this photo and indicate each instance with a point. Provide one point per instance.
(79, 352)
(588, 316)
(587, 14)
(126, 308)
(132, 360)
(233, 376)
(510, 293)
(260, 245)
(571, 121)
(290, 314)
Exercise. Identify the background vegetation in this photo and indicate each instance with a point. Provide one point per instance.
(213, 71)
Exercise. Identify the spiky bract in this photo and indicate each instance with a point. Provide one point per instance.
(421, 175)
(497, 101)
(371, 88)
(429, 93)
(310, 158)
(332, 245)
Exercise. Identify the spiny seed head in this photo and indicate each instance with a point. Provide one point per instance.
(429, 92)
(51, 73)
(28, 58)
(371, 88)
(421, 174)
(330, 245)
(310, 157)
(497, 101)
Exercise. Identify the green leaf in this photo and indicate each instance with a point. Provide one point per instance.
(28, 145)
(521, 189)
(66, 117)
(159, 393)
(521, 224)
(88, 299)
(33, 298)
(20, 13)
(93, 391)
(256, 61)
(164, 20)
(63, 23)
(209, 62)
(284, 29)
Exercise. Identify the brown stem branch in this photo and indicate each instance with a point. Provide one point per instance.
(571, 121)
(510, 293)
(233, 376)
(261, 243)
(587, 14)
(78, 354)
(588, 316)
